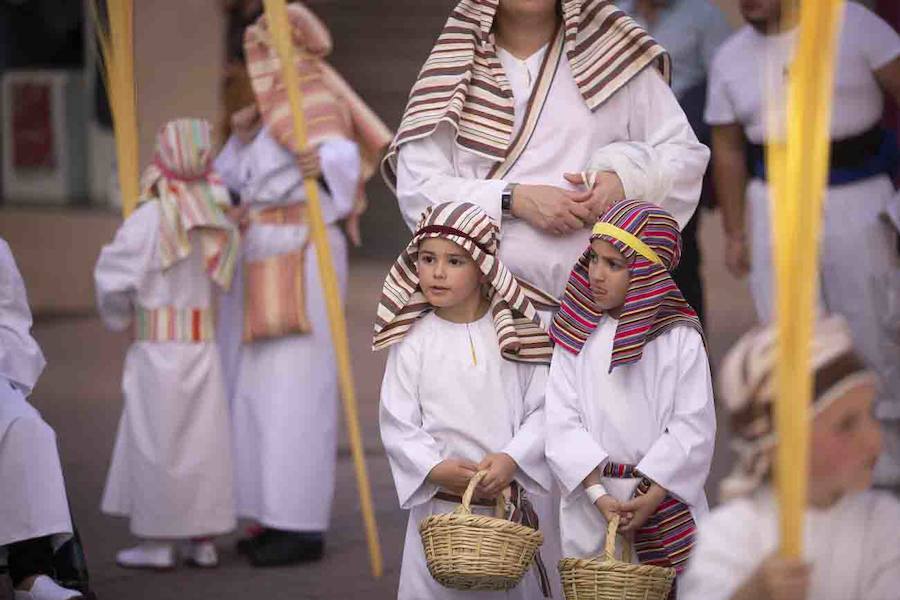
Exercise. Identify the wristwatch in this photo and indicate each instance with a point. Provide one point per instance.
(506, 198)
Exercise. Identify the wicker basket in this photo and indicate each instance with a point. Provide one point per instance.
(605, 578)
(477, 552)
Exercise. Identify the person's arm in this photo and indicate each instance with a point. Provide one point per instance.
(572, 453)
(730, 178)
(426, 176)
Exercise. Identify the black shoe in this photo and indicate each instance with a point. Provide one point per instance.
(282, 548)
(244, 544)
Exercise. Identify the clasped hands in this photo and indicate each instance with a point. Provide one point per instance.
(454, 474)
(633, 514)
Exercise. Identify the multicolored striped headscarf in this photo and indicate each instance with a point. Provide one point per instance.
(648, 237)
(191, 196)
(747, 385)
(462, 82)
(331, 107)
(514, 305)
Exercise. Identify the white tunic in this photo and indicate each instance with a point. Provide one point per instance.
(640, 133)
(285, 390)
(863, 283)
(657, 414)
(854, 548)
(171, 468)
(33, 503)
(436, 404)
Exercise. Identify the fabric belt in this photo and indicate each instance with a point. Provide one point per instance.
(873, 152)
(173, 324)
(290, 214)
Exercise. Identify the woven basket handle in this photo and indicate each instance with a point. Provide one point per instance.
(499, 508)
(610, 550)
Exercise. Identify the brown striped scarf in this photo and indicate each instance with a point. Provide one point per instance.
(332, 108)
(191, 197)
(653, 303)
(514, 305)
(462, 82)
(747, 385)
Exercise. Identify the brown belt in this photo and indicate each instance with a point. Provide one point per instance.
(291, 214)
(448, 497)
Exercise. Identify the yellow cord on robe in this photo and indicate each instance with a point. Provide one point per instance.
(276, 14)
(797, 170)
(117, 49)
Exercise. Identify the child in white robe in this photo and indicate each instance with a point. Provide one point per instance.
(34, 511)
(171, 469)
(851, 532)
(463, 388)
(630, 418)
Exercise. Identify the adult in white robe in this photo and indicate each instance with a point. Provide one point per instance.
(854, 547)
(171, 470)
(656, 414)
(435, 405)
(859, 262)
(285, 400)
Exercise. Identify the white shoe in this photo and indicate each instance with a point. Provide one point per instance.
(148, 555)
(44, 588)
(200, 554)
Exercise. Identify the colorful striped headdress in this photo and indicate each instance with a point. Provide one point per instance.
(191, 196)
(648, 237)
(331, 107)
(462, 82)
(747, 386)
(514, 305)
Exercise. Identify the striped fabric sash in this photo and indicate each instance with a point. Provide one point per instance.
(522, 512)
(291, 214)
(173, 324)
(667, 538)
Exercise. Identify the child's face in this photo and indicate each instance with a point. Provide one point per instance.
(609, 274)
(447, 274)
(845, 443)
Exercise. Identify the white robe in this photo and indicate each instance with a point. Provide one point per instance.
(854, 548)
(171, 469)
(657, 414)
(641, 133)
(285, 391)
(436, 404)
(33, 500)
(859, 264)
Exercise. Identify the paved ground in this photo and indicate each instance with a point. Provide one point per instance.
(79, 395)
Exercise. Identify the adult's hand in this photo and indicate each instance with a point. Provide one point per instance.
(550, 209)
(308, 160)
(737, 255)
(605, 190)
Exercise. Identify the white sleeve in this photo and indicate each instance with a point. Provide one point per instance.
(874, 36)
(571, 450)
(663, 162)
(882, 578)
(425, 176)
(123, 264)
(724, 556)
(527, 445)
(412, 451)
(720, 107)
(228, 164)
(680, 458)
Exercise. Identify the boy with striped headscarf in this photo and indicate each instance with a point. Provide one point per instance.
(463, 388)
(171, 469)
(630, 417)
(852, 533)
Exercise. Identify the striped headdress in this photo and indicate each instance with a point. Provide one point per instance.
(514, 305)
(462, 82)
(191, 196)
(648, 237)
(747, 386)
(331, 107)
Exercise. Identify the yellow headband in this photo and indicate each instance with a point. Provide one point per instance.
(629, 240)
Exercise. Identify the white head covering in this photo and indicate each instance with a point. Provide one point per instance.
(21, 359)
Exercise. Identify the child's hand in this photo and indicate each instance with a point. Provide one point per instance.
(453, 474)
(780, 578)
(610, 507)
(501, 468)
(640, 508)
